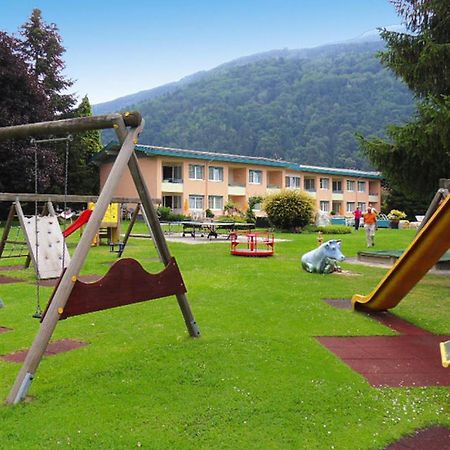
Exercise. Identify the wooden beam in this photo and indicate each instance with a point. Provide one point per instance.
(7, 228)
(60, 198)
(77, 125)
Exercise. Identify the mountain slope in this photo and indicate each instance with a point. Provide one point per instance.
(298, 105)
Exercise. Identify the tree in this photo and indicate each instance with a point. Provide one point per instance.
(417, 154)
(22, 100)
(41, 45)
(83, 176)
(289, 209)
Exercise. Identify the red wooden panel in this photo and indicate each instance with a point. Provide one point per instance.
(125, 283)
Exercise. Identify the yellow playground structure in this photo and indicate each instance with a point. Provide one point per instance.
(110, 226)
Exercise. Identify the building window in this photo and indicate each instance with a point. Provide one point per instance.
(324, 205)
(292, 182)
(350, 207)
(196, 202)
(255, 176)
(215, 173)
(337, 207)
(172, 201)
(350, 185)
(172, 174)
(361, 186)
(196, 172)
(337, 186)
(215, 202)
(310, 184)
(362, 206)
(325, 184)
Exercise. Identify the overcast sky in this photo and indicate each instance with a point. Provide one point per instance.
(115, 48)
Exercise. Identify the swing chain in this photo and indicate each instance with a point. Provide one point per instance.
(34, 142)
(38, 313)
(68, 139)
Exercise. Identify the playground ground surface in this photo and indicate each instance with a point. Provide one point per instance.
(259, 377)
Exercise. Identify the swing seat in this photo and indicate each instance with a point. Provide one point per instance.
(125, 283)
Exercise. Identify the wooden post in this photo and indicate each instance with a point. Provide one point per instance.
(149, 228)
(129, 229)
(34, 356)
(31, 257)
(157, 232)
(7, 228)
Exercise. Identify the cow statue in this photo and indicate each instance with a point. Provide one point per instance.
(323, 259)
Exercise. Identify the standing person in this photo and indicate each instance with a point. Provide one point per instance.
(358, 214)
(370, 224)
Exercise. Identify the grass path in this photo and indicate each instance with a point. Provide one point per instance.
(256, 378)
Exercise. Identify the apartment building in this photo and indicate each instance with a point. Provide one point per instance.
(190, 181)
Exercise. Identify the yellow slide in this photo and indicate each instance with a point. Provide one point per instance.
(425, 250)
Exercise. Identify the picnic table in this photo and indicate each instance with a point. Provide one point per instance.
(211, 228)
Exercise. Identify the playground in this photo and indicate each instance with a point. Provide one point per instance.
(259, 376)
(286, 358)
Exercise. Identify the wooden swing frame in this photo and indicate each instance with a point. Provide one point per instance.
(127, 127)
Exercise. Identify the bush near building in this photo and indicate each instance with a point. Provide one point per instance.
(289, 209)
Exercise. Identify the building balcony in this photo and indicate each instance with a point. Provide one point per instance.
(236, 190)
(337, 196)
(172, 186)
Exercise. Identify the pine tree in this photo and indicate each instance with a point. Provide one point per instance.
(42, 46)
(418, 153)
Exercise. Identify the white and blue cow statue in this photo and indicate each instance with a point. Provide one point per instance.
(323, 259)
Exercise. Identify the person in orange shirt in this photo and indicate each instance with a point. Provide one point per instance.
(370, 225)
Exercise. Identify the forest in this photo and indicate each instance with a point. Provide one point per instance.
(299, 107)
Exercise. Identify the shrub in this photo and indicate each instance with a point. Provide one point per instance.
(329, 229)
(177, 217)
(252, 202)
(395, 214)
(209, 214)
(231, 219)
(163, 212)
(289, 209)
(262, 222)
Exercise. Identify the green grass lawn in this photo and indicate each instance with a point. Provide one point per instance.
(256, 378)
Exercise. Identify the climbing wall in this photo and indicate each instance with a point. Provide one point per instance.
(51, 252)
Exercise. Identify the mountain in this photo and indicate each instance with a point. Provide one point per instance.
(299, 105)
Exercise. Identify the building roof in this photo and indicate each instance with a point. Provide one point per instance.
(152, 150)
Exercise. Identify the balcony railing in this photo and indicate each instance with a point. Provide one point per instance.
(172, 180)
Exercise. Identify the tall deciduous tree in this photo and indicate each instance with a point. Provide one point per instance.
(418, 153)
(22, 100)
(42, 46)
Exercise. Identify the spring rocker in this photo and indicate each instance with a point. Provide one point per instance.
(72, 297)
(252, 244)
